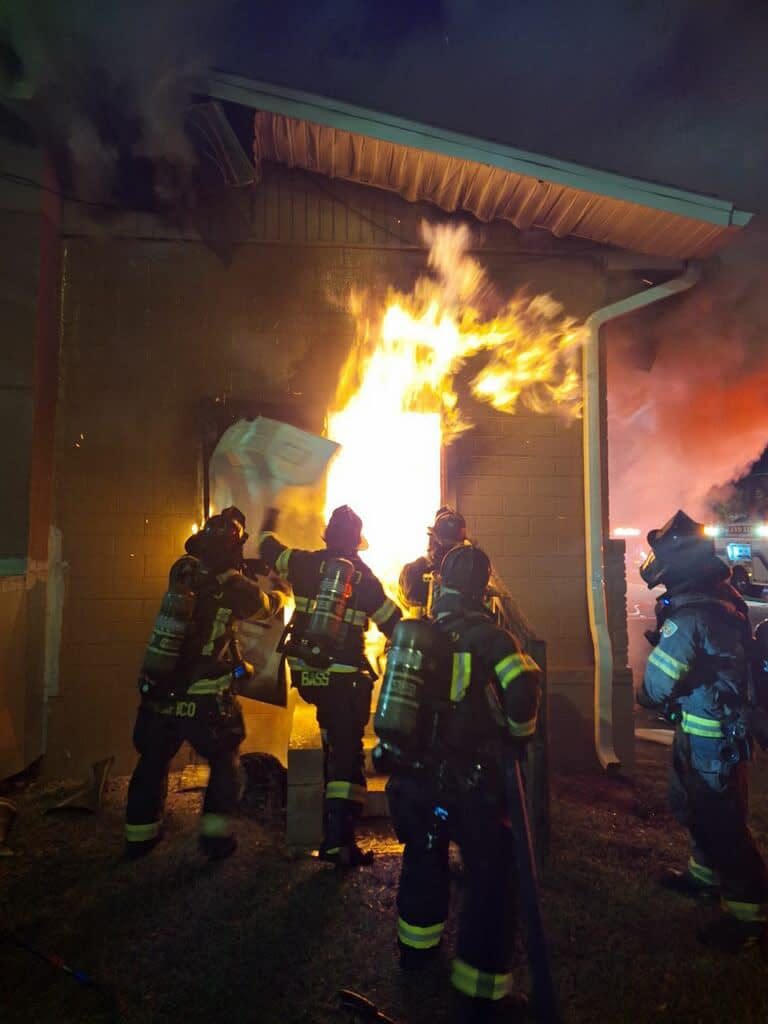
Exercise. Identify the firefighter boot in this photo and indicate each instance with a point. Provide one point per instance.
(141, 839)
(348, 855)
(339, 846)
(137, 850)
(728, 934)
(685, 883)
(217, 847)
(417, 959)
(216, 840)
(471, 1010)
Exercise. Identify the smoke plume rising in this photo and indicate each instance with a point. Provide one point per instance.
(688, 391)
(105, 86)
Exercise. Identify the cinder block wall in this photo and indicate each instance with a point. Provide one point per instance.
(519, 481)
(152, 323)
(28, 246)
(19, 259)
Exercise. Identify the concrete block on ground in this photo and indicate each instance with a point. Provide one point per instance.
(304, 815)
(306, 790)
(305, 766)
(376, 805)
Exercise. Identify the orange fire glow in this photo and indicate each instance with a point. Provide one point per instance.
(397, 403)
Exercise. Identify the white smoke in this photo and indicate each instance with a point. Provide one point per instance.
(695, 416)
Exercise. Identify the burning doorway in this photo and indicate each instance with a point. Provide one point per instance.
(422, 364)
(397, 407)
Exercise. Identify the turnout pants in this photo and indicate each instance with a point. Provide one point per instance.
(475, 822)
(710, 799)
(214, 728)
(343, 703)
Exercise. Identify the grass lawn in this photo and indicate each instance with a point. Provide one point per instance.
(269, 937)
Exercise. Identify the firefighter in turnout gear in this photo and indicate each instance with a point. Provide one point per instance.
(452, 707)
(448, 530)
(337, 596)
(188, 684)
(697, 673)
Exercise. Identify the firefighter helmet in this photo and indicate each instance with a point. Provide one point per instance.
(680, 550)
(344, 532)
(466, 569)
(234, 513)
(449, 528)
(219, 545)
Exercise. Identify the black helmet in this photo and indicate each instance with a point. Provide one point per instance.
(219, 544)
(449, 528)
(234, 513)
(466, 569)
(680, 551)
(344, 531)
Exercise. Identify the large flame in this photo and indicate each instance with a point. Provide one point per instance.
(397, 404)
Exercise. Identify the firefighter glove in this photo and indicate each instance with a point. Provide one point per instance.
(269, 521)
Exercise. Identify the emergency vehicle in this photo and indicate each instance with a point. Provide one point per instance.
(744, 546)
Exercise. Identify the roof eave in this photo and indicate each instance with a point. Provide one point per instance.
(335, 114)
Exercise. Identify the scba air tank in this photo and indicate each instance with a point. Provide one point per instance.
(410, 691)
(172, 625)
(328, 624)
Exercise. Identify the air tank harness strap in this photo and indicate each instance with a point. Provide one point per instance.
(351, 615)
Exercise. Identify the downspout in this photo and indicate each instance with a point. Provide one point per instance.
(593, 505)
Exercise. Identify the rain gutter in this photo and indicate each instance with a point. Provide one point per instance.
(593, 505)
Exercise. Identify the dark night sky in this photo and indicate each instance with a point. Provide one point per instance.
(670, 90)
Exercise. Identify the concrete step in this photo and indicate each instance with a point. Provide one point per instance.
(376, 805)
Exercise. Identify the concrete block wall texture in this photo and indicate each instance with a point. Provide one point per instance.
(29, 248)
(13, 624)
(20, 232)
(305, 795)
(19, 258)
(151, 325)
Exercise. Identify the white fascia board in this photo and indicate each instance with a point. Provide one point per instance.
(335, 114)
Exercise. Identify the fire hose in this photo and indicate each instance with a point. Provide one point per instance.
(545, 1003)
(51, 958)
(358, 1004)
